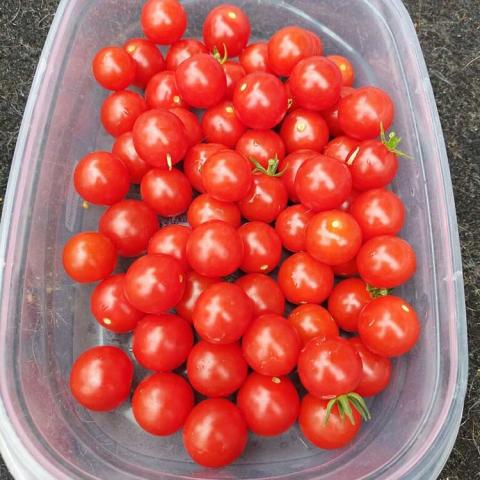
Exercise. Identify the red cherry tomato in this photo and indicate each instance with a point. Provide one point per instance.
(162, 342)
(346, 69)
(215, 249)
(262, 247)
(113, 68)
(182, 50)
(110, 307)
(340, 148)
(221, 125)
(291, 226)
(194, 160)
(225, 438)
(264, 293)
(163, 21)
(191, 123)
(330, 115)
(162, 92)
(162, 402)
(101, 178)
(260, 100)
(386, 261)
(205, 208)
(171, 240)
(234, 72)
(124, 149)
(168, 192)
(89, 257)
(154, 283)
(305, 280)
(271, 345)
(261, 146)
(254, 58)
(147, 57)
(270, 405)
(101, 377)
(290, 166)
(348, 269)
(216, 370)
(388, 326)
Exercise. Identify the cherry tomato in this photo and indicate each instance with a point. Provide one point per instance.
(329, 367)
(194, 160)
(124, 149)
(129, 224)
(261, 146)
(101, 178)
(182, 50)
(262, 247)
(386, 261)
(221, 125)
(347, 269)
(264, 293)
(227, 176)
(363, 112)
(163, 21)
(168, 192)
(330, 115)
(311, 321)
(336, 432)
(171, 240)
(291, 226)
(303, 129)
(89, 257)
(205, 208)
(270, 405)
(215, 249)
(110, 307)
(226, 27)
(376, 370)
(154, 283)
(346, 69)
(113, 68)
(101, 377)
(222, 313)
(345, 206)
(192, 126)
(161, 403)
(234, 72)
(201, 81)
(216, 370)
(260, 100)
(323, 183)
(215, 433)
(340, 148)
(346, 301)
(162, 342)
(333, 237)
(271, 345)
(290, 166)
(254, 58)
(147, 57)
(160, 138)
(162, 92)
(305, 280)
(388, 326)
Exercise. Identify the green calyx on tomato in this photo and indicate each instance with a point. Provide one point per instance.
(345, 403)
(271, 169)
(378, 292)
(218, 56)
(392, 142)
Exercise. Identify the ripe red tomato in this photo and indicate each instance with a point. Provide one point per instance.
(386, 261)
(162, 92)
(262, 247)
(345, 206)
(323, 183)
(168, 192)
(376, 370)
(110, 307)
(191, 123)
(113, 68)
(215, 249)
(129, 224)
(290, 166)
(340, 148)
(147, 57)
(330, 115)
(161, 403)
(216, 370)
(346, 301)
(181, 51)
(221, 125)
(155, 283)
(388, 326)
(234, 72)
(162, 342)
(264, 293)
(271, 345)
(261, 146)
(346, 69)
(225, 438)
(194, 160)
(305, 280)
(89, 257)
(329, 367)
(347, 269)
(101, 378)
(270, 405)
(260, 100)
(362, 113)
(171, 240)
(311, 321)
(291, 226)
(205, 208)
(222, 313)
(254, 58)
(124, 149)
(101, 178)
(163, 21)
(226, 29)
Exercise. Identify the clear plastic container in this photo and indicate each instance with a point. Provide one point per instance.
(45, 319)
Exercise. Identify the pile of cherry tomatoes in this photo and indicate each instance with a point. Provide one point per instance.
(284, 185)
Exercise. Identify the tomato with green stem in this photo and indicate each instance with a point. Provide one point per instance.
(291, 226)
(221, 125)
(147, 57)
(261, 146)
(171, 240)
(113, 68)
(163, 21)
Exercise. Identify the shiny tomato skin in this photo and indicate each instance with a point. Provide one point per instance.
(181, 51)
(171, 240)
(340, 148)
(345, 67)
(234, 72)
(101, 378)
(261, 146)
(124, 149)
(147, 57)
(330, 115)
(254, 58)
(113, 68)
(290, 166)
(162, 92)
(163, 21)
(193, 129)
(291, 226)
(205, 208)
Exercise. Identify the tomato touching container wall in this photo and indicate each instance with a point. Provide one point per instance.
(45, 320)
